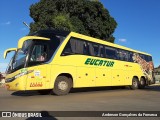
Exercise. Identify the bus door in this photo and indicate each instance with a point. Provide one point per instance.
(39, 78)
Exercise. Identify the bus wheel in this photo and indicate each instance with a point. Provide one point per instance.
(142, 83)
(44, 92)
(62, 85)
(134, 84)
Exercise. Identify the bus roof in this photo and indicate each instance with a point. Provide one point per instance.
(50, 31)
(88, 38)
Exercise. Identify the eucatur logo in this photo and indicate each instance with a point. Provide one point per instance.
(37, 84)
(98, 62)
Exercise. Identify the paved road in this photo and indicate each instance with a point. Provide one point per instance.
(99, 99)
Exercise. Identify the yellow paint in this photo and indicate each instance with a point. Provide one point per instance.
(21, 81)
(23, 39)
(83, 75)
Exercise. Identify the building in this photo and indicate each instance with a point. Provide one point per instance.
(157, 74)
(2, 78)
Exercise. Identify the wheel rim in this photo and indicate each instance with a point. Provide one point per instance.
(62, 85)
(135, 83)
(142, 82)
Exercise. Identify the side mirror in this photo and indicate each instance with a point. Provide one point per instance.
(7, 51)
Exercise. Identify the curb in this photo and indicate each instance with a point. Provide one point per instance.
(157, 84)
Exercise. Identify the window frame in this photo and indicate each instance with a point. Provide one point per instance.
(128, 57)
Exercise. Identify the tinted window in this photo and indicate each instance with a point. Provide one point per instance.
(123, 55)
(142, 56)
(86, 48)
(101, 51)
(79, 46)
(130, 56)
(75, 46)
(39, 53)
(96, 49)
(110, 53)
(147, 58)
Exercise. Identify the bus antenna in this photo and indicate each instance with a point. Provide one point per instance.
(26, 24)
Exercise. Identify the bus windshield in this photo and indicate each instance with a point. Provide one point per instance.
(37, 51)
(19, 59)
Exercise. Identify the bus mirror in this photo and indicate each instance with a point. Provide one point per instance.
(23, 39)
(7, 51)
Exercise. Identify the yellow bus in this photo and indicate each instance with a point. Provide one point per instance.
(56, 61)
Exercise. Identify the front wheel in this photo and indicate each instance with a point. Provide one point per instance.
(62, 85)
(135, 84)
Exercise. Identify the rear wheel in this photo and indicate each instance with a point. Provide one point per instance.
(62, 85)
(142, 83)
(135, 84)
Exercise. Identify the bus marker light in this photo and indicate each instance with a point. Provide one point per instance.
(32, 76)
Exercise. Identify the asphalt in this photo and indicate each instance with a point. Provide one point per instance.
(85, 100)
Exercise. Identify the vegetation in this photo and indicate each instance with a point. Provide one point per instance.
(87, 17)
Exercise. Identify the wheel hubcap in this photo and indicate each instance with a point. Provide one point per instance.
(62, 85)
(142, 82)
(135, 83)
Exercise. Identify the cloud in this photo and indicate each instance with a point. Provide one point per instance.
(122, 40)
(6, 23)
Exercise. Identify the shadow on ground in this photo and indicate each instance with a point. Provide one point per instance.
(25, 93)
(94, 89)
(152, 88)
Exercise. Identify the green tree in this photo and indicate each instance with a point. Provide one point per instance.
(87, 17)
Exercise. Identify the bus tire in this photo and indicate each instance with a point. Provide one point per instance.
(135, 84)
(62, 85)
(44, 92)
(142, 83)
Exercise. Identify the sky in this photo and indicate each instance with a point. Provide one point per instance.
(138, 25)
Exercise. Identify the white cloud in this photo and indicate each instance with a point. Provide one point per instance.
(6, 23)
(123, 40)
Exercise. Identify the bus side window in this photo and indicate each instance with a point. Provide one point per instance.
(67, 50)
(123, 55)
(110, 53)
(147, 58)
(85, 48)
(74, 46)
(130, 56)
(126, 55)
(91, 49)
(120, 54)
(39, 53)
(142, 56)
(101, 51)
(96, 49)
